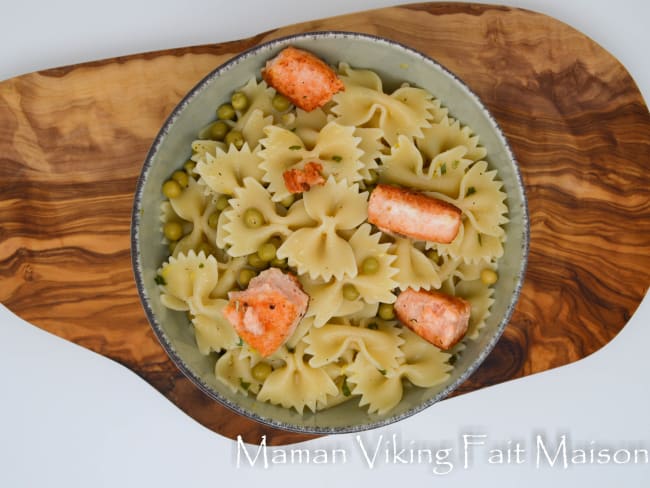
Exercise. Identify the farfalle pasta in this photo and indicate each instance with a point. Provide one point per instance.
(231, 214)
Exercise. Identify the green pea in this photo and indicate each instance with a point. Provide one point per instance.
(280, 103)
(245, 277)
(370, 265)
(213, 220)
(261, 371)
(266, 252)
(236, 138)
(226, 112)
(489, 276)
(181, 178)
(350, 292)
(171, 189)
(189, 167)
(288, 201)
(253, 218)
(239, 101)
(173, 230)
(255, 261)
(218, 130)
(222, 202)
(386, 311)
(279, 263)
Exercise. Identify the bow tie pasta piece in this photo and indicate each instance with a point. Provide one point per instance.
(482, 200)
(378, 389)
(448, 134)
(335, 150)
(236, 232)
(406, 111)
(225, 171)
(187, 276)
(329, 343)
(472, 246)
(317, 249)
(416, 270)
(214, 333)
(424, 364)
(405, 165)
(297, 384)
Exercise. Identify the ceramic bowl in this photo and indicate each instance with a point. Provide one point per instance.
(395, 64)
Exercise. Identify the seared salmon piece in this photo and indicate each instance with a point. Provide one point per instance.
(268, 311)
(413, 214)
(438, 318)
(299, 180)
(302, 77)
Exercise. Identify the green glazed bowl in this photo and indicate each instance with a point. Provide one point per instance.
(394, 63)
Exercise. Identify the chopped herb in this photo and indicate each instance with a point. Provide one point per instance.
(383, 371)
(345, 389)
(160, 280)
(480, 243)
(373, 326)
(241, 341)
(338, 159)
(201, 265)
(295, 148)
(453, 359)
(470, 191)
(443, 169)
(244, 384)
(455, 164)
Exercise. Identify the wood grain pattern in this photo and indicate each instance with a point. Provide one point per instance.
(72, 142)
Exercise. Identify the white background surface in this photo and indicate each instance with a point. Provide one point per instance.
(69, 417)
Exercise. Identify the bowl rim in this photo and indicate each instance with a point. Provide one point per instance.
(135, 243)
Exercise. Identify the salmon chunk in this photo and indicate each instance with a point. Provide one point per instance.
(299, 180)
(268, 311)
(438, 318)
(302, 77)
(413, 214)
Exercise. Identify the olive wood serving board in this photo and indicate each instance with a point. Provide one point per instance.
(73, 139)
